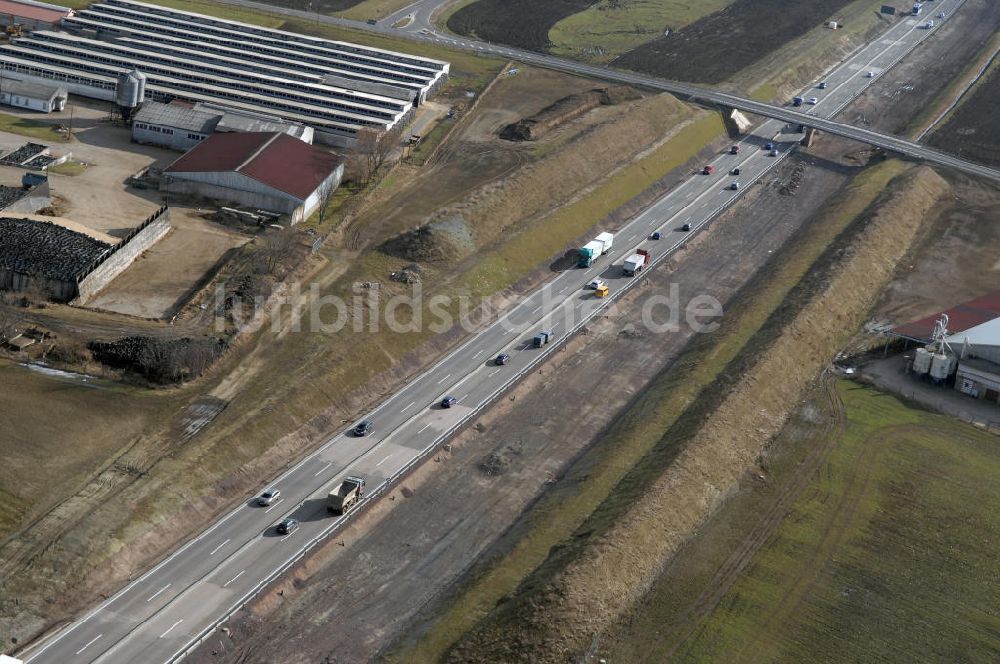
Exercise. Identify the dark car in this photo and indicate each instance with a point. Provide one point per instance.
(686, 227)
(268, 497)
(363, 429)
(448, 401)
(655, 236)
(287, 526)
(736, 171)
(502, 359)
(769, 146)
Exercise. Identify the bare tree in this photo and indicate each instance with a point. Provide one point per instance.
(326, 192)
(374, 148)
(277, 249)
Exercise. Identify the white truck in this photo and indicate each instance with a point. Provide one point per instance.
(636, 262)
(594, 249)
(606, 239)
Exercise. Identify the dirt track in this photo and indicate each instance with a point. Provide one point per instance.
(400, 566)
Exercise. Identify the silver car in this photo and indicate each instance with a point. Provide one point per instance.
(268, 497)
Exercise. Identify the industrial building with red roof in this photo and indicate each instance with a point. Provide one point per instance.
(34, 16)
(266, 170)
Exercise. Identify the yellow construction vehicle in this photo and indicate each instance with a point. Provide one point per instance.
(602, 290)
(13, 29)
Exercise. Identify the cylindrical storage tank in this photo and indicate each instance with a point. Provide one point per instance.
(142, 84)
(940, 364)
(129, 88)
(922, 361)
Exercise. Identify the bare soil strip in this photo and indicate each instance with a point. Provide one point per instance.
(571, 601)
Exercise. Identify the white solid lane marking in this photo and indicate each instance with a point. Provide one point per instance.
(323, 469)
(388, 456)
(477, 354)
(278, 502)
(88, 644)
(536, 309)
(153, 596)
(234, 578)
(284, 538)
(408, 406)
(219, 547)
(494, 373)
(171, 628)
(424, 427)
(444, 379)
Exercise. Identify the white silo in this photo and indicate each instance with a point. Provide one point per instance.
(942, 365)
(129, 92)
(922, 361)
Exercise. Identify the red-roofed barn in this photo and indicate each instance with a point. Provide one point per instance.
(32, 15)
(267, 170)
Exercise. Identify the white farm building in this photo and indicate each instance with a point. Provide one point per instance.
(32, 96)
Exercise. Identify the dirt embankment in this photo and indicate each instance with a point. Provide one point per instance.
(564, 110)
(573, 603)
(620, 133)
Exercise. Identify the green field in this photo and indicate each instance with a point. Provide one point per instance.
(887, 555)
(603, 32)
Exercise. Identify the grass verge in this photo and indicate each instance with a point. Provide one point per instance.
(560, 512)
(374, 9)
(885, 555)
(68, 168)
(603, 32)
(795, 64)
(502, 267)
(28, 127)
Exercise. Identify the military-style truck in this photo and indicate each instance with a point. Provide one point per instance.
(343, 496)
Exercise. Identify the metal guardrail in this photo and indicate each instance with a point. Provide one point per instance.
(432, 448)
(766, 110)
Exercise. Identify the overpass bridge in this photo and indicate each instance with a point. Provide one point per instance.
(422, 30)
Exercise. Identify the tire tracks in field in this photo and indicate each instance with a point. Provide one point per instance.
(732, 569)
(861, 473)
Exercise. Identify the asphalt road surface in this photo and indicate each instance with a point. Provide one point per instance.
(166, 612)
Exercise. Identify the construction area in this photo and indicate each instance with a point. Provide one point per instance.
(173, 239)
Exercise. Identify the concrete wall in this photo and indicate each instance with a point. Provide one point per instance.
(62, 291)
(30, 103)
(38, 197)
(167, 137)
(977, 383)
(123, 254)
(316, 198)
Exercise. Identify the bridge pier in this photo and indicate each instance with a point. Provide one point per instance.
(810, 136)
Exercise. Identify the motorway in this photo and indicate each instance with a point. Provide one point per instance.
(166, 612)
